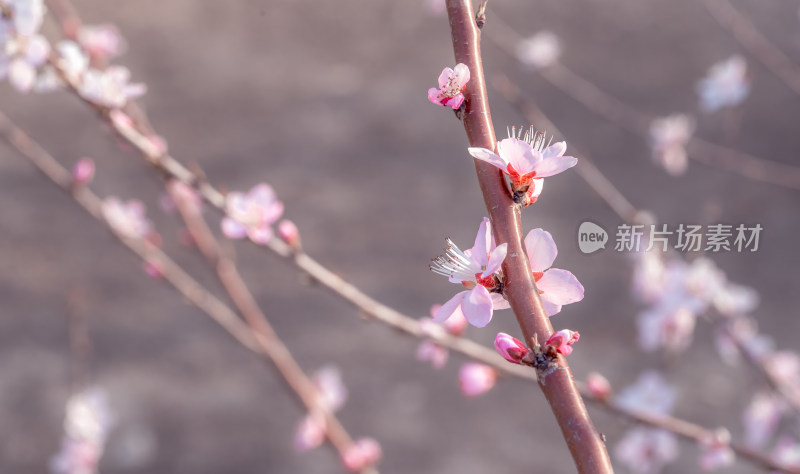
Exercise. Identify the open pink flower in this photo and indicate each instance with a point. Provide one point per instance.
(476, 379)
(511, 348)
(563, 340)
(127, 219)
(252, 214)
(452, 83)
(478, 269)
(647, 450)
(526, 160)
(557, 287)
(716, 450)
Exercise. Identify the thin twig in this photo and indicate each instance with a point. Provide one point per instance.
(628, 118)
(260, 339)
(756, 43)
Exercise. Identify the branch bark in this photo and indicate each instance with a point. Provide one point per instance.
(583, 440)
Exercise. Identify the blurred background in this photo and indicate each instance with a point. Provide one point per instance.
(326, 101)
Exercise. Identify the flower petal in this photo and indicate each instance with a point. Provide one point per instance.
(454, 102)
(495, 259)
(554, 150)
(555, 165)
(488, 156)
(498, 302)
(560, 287)
(519, 154)
(444, 77)
(435, 96)
(232, 229)
(483, 242)
(461, 72)
(541, 249)
(448, 309)
(477, 306)
(260, 234)
(551, 309)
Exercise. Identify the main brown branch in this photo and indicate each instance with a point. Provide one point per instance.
(584, 442)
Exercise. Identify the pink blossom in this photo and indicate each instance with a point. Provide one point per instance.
(526, 160)
(83, 171)
(784, 366)
(476, 379)
(716, 451)
(310, 433)
(109, 87)
(363, 453)
(477, 269)
(650, 393)
(668, 138)
(556, 287)
(127, 219)
(452, 83)
(666, 326)
(563, 340)
(787, 452)
(762, 417)
(72, 60)
(456, 324)
(252, 214)
(87, 424)
(511, 348)
(647, 450)
(598, 385)
(332, 392)
(153, 270)
(288, 232)
(734, 300)
(430, 351)
(25, 55)
(102, 41)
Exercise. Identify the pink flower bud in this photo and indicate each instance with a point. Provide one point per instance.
(83, 171)
(153, 270)
(310, 433)
(430, 351)
(563, 340)
(598, 386)
(120, 119)
(511, 348)
(476, 379)
(363, 453)
(288, 232)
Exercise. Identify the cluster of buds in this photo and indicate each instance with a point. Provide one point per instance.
(516, 352)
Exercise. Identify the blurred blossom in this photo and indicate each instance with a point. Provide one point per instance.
(725, 85)
(735, 300)
(647, 450)
(556, 287)
(27, 16)
(478, 270)
(716, 451)
(83, 171)
(127, 219)
(668, 138)
(667, 327)
(22, 57)
(784, 366)
(288, 232)
(540, 50)
(103, 41)
(648, 276)
(86, 426)
(110, 87)
(563, 340)
(310, 433)
(476, 379)
(252, 215)
(650, 393)
(761, 418)
(72, 60)
(363, 453)
(787, 452)
(598, 385)
(743, 329)
(332, 392)
(153, 269)
(452, 83)
(432, 352)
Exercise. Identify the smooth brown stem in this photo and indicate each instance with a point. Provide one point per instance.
(584, 441)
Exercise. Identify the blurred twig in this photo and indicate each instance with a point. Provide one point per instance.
(757, 44)
(628, 118)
